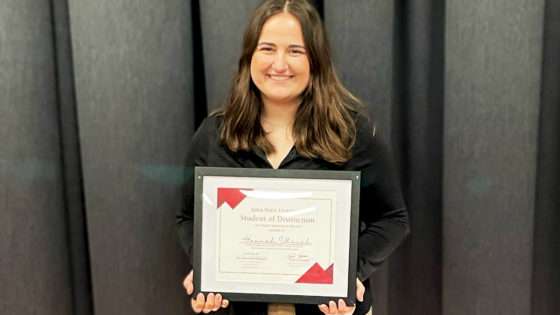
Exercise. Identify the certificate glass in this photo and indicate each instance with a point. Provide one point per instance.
(276, 235)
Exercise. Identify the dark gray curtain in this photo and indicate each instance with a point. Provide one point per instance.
(99, 100)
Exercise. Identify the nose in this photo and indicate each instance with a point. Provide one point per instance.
(280, 65)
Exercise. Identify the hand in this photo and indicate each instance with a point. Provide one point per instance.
(334, 309)
(342, 308)
(211, 303)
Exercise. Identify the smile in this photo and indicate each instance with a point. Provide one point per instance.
(279, 77)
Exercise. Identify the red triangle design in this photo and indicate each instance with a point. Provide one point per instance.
(233, 196)
(316, 274)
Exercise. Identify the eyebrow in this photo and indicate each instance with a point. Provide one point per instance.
(290, 46)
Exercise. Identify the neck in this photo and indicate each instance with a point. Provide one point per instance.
(279, 114)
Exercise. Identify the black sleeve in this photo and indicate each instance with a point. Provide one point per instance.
(383, 213)
(197, 156)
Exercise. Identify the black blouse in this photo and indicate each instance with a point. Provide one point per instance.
(383, 216)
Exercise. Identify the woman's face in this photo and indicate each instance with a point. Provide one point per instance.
(279, 66)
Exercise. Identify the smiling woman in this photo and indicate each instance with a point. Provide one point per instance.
(280, 71)
(310, 110)
(287, 109)
(279, 67)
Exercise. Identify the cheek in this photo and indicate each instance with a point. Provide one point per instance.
(304, 71)
(257, 66)
(307, 72)
(254, 73)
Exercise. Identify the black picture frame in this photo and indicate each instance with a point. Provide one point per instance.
(353, 176)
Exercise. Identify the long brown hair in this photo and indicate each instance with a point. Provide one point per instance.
(324, 125)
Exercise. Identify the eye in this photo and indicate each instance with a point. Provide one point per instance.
(296, 51)
(266, 49)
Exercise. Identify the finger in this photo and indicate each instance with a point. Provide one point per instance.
(323, 308)
(341, 305)
(217, 302)
(195, 307)
(332, 308)
(188, 283)
(360, 290)
(209, 305)
(225, 303)
(198, 303)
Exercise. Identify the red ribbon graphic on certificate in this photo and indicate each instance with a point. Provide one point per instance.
(316, 274)
(233, 196)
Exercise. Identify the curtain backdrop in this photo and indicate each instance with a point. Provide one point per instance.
(99, 101)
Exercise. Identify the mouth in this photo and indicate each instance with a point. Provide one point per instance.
(276, 77)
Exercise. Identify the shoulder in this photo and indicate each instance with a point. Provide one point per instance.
(368, 146)
(207, 133)
(365, 130)
(204, 140)
(209, 126)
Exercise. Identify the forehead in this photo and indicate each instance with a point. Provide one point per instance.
(282, 28)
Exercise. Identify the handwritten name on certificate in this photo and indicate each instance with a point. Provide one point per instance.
(275, 236)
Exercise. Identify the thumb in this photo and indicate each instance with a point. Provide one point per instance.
(188, 283)
(360, 290)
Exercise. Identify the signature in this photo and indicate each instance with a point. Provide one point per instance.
(284, 241)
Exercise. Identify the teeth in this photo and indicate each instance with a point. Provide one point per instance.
(279, 77)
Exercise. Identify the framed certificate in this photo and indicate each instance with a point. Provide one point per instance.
(287, 236)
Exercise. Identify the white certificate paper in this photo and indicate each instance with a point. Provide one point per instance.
(275, 236)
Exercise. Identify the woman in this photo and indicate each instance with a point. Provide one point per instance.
(287, 109)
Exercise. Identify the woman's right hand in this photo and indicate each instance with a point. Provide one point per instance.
(211, 303)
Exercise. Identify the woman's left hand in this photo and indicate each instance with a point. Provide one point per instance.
(342, 309)
(334, 309)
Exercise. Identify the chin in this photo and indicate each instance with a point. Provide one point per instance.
(280, 98)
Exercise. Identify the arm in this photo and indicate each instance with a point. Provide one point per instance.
(382, 208)
(197, 156)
